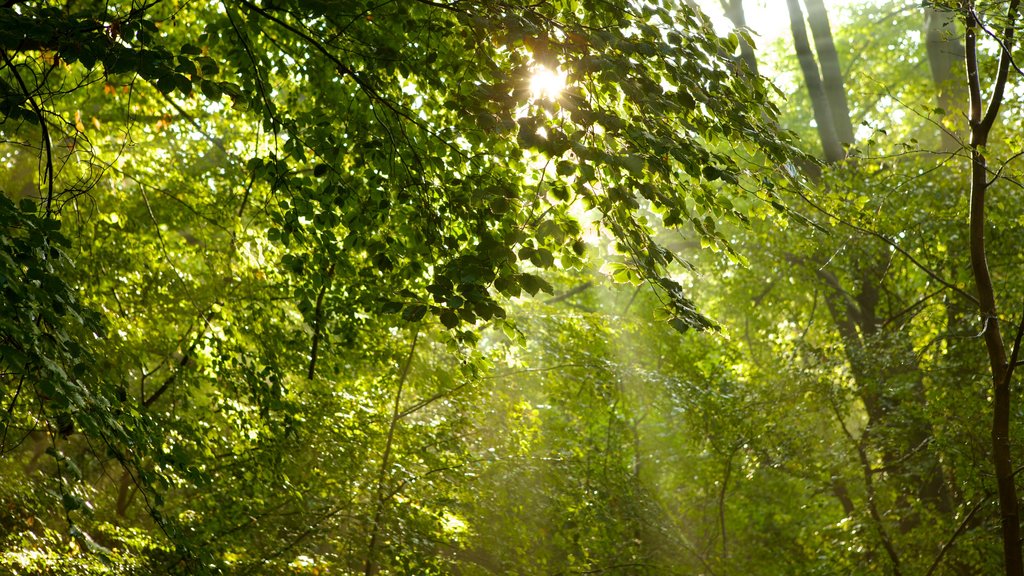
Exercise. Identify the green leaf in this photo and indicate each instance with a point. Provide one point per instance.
(182, 84)
(679, 325)
(186, 66)
(449, 318)
(534, 284)
(208, 66)
(166, 84)
(210, 89)
(414, 312)
(391, 307)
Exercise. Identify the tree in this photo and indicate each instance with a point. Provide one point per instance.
(1002, 368)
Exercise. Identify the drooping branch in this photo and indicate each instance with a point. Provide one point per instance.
(956, 534)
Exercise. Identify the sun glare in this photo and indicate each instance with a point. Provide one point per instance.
(547, 83)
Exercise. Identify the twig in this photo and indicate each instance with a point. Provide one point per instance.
(570, 293)
(956, 534)
(1014, 353)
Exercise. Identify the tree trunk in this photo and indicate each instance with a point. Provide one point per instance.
(831, 73)
(1001, 371)
(734, 12)
(946, 61)
(830, 144)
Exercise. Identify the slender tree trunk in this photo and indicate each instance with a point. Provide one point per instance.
(383, 492)
(831, 73)
(946, 62)
(981, 127)
(830, 144)
(318, 321)
(124, 494)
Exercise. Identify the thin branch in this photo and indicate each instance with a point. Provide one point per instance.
(869, 487)
(956, 534)
(167, 255)
(10, 414)
(1002, 166)
(1002, 45)
(219, 143)
(416, 406)
(370, 566)
(1014, 353)
(260, 85)
(892, 244)
(920, 301)
(570, 293)
(1005, 59)
(341, 66)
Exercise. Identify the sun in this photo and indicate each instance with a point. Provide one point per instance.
(547, 83)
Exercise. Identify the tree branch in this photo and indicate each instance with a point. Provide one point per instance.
(956, 534)
(1005, 58)
(185, 359)
(570, 293)
(318, 313)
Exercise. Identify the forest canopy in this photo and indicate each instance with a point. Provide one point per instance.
(479, 287)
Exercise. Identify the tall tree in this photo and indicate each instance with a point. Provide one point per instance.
(824, 118)
(946, 61)
(831, 72)
(982, 119)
